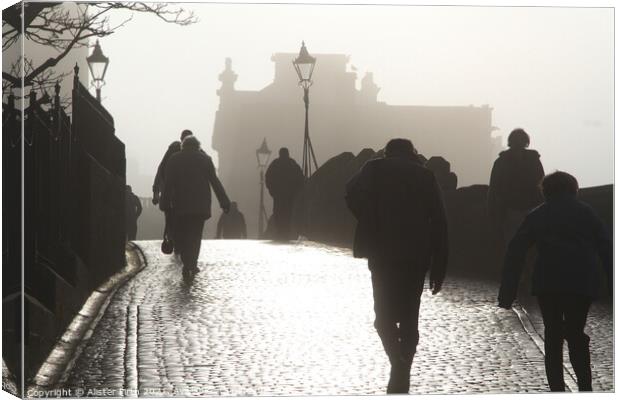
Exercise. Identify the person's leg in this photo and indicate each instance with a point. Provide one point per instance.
(413, 285)
(386, 308)
(553, 320)
(181, 238)
(408, 287)
(133, 230)
(385, 320)
(277, 217)
(287, 219)
(575, 315)
(167, 226)
(194, 241)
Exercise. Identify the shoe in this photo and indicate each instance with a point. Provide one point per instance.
(399, 378)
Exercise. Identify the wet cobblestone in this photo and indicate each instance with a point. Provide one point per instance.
(295, 319)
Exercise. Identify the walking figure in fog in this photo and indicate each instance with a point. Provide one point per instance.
(441, 168)
(514, 186)
(284, 180)
(231, 225)
(133, 209)
(402, 230)
(189, 177)
(568, 236)
(158, 188)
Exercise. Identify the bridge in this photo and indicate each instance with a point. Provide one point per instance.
(267, 318)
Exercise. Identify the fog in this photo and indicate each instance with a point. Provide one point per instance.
(548, 70)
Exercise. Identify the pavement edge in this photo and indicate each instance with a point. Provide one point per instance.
(56, 368)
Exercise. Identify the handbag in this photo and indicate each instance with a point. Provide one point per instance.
(167, 245)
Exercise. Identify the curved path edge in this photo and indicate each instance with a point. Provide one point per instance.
(54, 371)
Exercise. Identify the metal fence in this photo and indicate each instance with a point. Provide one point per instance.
(73, 209)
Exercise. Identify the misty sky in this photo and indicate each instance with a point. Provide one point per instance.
(548, 70)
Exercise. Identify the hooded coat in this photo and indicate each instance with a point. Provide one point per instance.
(515, 180)
(284, 179)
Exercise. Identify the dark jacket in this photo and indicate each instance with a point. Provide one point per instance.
(400, 213)
(158, 182)
(568, 236)
(190, 174)
(284, 178)
(515, 180)
(231, 225)
(133, 206)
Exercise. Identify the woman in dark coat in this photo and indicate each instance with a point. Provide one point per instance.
(514, 186)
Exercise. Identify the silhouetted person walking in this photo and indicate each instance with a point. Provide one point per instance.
(514, 186)
(133, 209)
(441, 168)
(402, 230)
(231, 225)
(568, 236)
(190, 175)
(284, 179)
(159, 184)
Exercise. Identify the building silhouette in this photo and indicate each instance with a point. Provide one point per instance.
(342, 118)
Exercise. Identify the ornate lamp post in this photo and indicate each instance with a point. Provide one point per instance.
(304, 65)
(98, 65)
(262, 157)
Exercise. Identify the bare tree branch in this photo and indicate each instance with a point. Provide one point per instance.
(13, 80)
(54, 26)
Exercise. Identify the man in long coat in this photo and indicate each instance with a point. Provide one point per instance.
(284, 180)
(402, 230)
(190, 175)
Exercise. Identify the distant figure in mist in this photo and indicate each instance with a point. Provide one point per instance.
(189, 177)
(133, 209)
(402, 230)
(159, 184)
(441, 168)
(514, 186)
(284, 180)
(568, 236)
(231, 225)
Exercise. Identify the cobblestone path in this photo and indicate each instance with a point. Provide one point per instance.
(263, 318)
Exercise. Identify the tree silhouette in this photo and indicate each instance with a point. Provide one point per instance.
(64, 29)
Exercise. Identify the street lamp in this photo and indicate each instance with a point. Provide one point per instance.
(304, 65)
(262, 157)
(98, 65)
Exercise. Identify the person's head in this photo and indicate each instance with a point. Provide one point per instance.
(190, 143)
(400, 148)
(518, 139)
(185, 134)
(128, 188)
(438, 165)
(284, 152)
(559, 183)
(233, 205)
